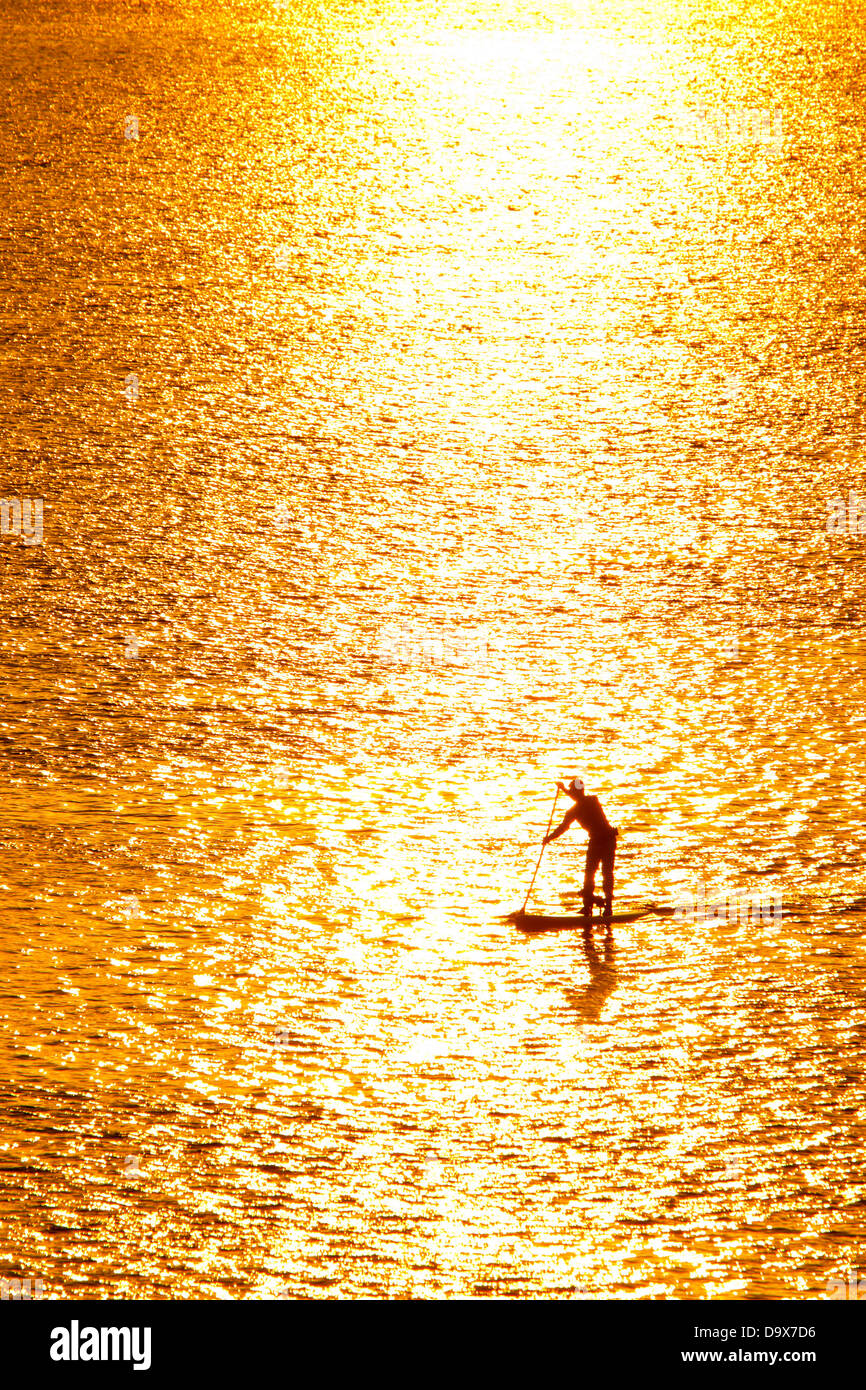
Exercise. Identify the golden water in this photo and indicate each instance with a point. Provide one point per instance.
(406, 324)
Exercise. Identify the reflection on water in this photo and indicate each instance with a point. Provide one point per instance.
(589, 1001)
(427, 405)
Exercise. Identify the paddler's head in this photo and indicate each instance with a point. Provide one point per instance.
(575, 788)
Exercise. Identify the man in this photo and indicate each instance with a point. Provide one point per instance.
(601, 849)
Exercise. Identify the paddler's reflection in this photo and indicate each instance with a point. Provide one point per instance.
(590, 1000)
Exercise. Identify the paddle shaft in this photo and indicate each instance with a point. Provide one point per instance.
(541, 851)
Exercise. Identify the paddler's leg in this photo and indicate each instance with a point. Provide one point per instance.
(593, 858)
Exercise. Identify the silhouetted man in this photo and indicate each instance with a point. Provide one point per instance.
(601, 849)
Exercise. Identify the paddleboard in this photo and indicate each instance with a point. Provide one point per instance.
(535, 922)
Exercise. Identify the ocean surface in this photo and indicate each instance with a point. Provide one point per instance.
(428, 402)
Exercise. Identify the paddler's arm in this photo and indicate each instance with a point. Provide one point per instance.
(568, 819)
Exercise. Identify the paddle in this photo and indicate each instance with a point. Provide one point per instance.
(541, 851)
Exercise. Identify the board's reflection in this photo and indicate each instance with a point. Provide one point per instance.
(589, 1002)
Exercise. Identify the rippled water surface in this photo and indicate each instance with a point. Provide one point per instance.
(422, 414)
